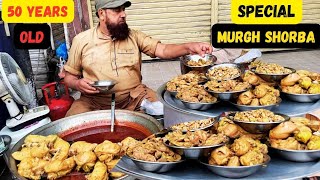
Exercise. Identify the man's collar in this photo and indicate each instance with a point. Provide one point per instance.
(100, 35)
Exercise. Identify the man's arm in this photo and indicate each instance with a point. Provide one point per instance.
(82, 85)
(169, 51)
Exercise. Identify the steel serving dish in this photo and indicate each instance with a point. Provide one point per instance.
(91, 120)
(249, 108)
(185, 68)
(104, 85)
(226, 96)
(273, 78)
(194, 152)
(197, 105)
(224, 65)
(303, 98)
(157, 167)
(297, 155)
(235, 172)
(215, 120)
(258, 127)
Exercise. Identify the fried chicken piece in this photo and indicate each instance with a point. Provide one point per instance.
(83, 154)
(234, 161)
(290, 80)
(85, 160)
(221, 155)
(303, 134)
(260, 91)
(81, 146)
(289, 143)
(127, 143)
(107, 150)
(99, 172)
(314, 143)
(30, 139)
(245, 98)
(60, 149)
(112, 164)
(252, 158)
(215, 139)
(32, 168)
(58, 168)
(268, 99)
(227, 127)
(22, 154)
(283, 130)
(255, 102)
(295, 89)
(240, 146)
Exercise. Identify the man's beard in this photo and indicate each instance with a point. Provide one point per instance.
(118, 31)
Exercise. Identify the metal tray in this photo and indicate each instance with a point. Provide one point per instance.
(277, 169)
(176, 109)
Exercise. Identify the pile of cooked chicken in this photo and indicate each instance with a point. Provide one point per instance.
(52, 157)
(271, 68)
(150, 149)
(223, 73)
(261, 95)
(244, 151)
(196, 138)
(195, 93)
(185, 80)
(226, 86)
(301, 82)
(297, 134)
(199, 63)
(259, 115)
(193, 125)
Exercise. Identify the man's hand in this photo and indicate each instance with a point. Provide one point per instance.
(200, 48)
(84, 86)
(170, 51)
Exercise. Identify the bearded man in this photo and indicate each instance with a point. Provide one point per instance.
(112, 51)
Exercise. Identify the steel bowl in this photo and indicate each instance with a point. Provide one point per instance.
(297, 155)
(273, 78)
(194, 152)
(234, 171)
(173, 93)
(303, 98)
(157, 167)
(226, 96)
(258, 127)
(215, 120)
(202, 69)
(197, 105)
(249, 108)
(224, 65)
(104, 85)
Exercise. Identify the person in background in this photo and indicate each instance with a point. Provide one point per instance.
(112, 51)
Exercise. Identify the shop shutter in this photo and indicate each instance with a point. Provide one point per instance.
(170, 21)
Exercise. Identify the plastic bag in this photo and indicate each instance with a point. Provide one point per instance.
(62, 51)
(152, 108)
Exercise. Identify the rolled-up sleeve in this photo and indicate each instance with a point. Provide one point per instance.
(146, 43)
(73, 65)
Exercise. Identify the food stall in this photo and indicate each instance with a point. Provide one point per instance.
(231, 121)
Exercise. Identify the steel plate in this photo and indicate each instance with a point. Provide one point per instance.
(277, 169)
